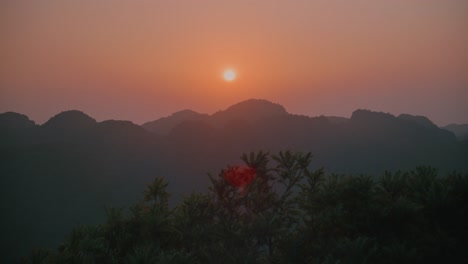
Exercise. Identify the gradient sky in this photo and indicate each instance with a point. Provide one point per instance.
(141, 60)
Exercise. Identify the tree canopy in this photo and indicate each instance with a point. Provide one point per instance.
(276, 209)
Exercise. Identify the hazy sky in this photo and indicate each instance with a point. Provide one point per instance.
(141, 60)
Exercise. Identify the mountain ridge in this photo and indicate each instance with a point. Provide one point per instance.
(261, 107)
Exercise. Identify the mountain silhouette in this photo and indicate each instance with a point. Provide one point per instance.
(67, 170)
(337, 119)
(251, 110)
(164, 125)
(15, 121)
(460, 130)
(421, 120)
(15, 130)
(402, 127)
(123, 131)
(70, 120)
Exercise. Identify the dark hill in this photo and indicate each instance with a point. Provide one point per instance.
(117, 133)
(164, 125)
(14, 121)
(364, 116)
(70, 120)
(69, 128)
(421, 120)
(403, 126)
(337, 119)
(460, 131)
(122, 129)
(15, 130)
(251, 110)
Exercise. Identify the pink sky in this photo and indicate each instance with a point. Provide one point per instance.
(141, 60)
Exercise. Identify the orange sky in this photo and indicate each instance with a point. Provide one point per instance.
(141, 60)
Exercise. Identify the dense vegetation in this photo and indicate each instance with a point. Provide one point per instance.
(288, 213)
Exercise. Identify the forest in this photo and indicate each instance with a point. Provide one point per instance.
(277, 208)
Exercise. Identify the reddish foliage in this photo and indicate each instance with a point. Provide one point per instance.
(239, 176)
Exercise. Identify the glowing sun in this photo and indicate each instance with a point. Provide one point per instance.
(229, 75)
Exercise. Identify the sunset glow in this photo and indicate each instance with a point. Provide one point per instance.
(140, 60)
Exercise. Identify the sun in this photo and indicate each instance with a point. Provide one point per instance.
(229, 75)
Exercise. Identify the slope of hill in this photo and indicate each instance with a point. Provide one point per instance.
(337, 119)
(421, 120)
(460, 131)
(15, 121)
(164, 125)
(251, 110)
(70, 120)
(15, 130)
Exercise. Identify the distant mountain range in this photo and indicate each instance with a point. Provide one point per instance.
(460, 131)
(65, 172)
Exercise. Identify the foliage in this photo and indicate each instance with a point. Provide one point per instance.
(287, 213)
